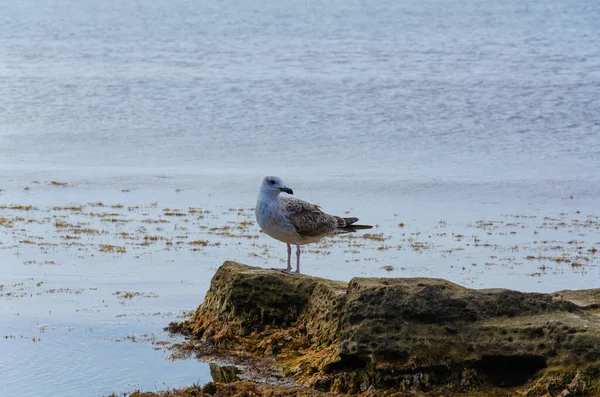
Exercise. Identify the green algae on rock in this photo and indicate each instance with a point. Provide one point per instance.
(413, 335)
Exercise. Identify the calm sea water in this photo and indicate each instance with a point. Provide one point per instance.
(453, 89)
(435, 114)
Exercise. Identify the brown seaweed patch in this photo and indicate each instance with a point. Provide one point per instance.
(112, 248)
(131, 294)
(76, 208)
(62, 291)
(202, 243)
(87, 230)
(242, 388)
(154, 221)
(18, 207)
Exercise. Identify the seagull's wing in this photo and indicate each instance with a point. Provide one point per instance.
(309, 220)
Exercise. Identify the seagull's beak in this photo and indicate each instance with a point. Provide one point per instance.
(287, 190)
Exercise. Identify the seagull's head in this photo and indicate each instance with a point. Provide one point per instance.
(274, 185)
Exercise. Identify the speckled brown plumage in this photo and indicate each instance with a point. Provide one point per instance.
(309, 220)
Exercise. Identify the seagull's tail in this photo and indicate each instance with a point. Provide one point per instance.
(348, 225)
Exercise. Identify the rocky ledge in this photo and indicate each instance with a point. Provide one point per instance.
(415, 336)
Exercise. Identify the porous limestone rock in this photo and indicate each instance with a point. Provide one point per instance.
(407, 335)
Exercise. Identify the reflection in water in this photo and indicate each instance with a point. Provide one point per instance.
(225, 373)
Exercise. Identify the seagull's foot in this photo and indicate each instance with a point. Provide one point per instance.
(286, 271)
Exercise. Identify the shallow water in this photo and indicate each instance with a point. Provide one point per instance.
(472, 124)
(89, 281)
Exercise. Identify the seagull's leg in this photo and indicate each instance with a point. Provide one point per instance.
(297, 259)
(289, 263)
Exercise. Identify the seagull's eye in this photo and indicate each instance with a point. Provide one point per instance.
(272, 182)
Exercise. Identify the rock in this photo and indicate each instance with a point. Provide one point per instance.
(402, 334)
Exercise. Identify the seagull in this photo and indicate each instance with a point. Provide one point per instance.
(294, 221)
